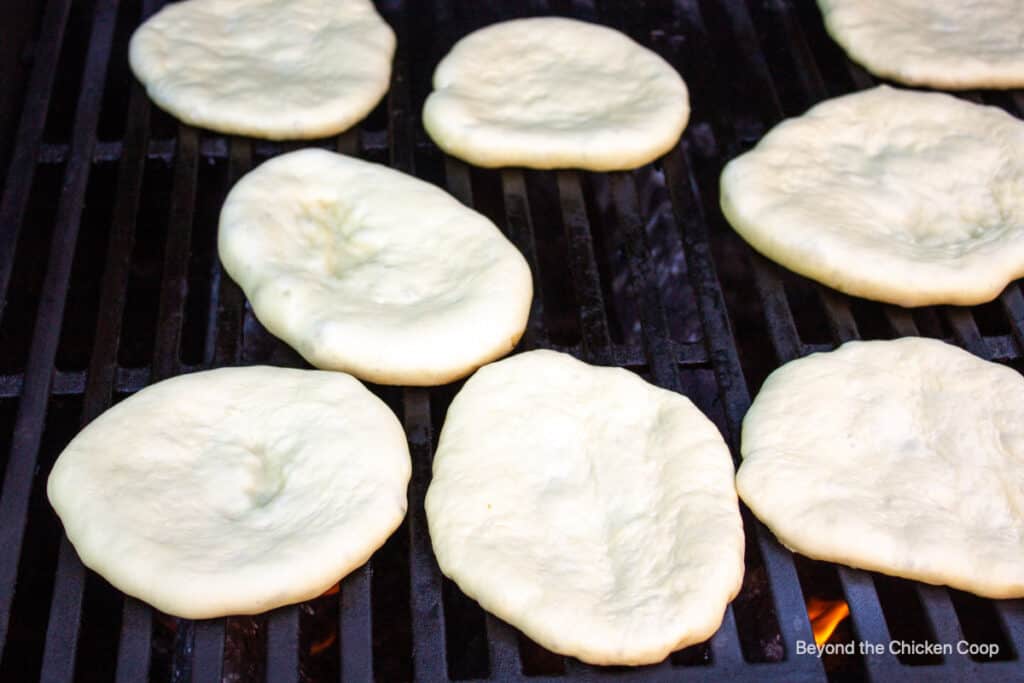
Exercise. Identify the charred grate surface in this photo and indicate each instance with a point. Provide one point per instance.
(109, 281)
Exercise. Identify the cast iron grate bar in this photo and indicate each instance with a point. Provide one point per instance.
(583, 267)
(520, 227)
(136, 635)
(355, 625)
(426, 606)
(208, 652)
(283, 645)
(230, 300)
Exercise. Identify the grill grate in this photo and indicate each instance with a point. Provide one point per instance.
(601, 293)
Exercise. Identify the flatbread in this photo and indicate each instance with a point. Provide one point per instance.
(548, 92)
(904, 457)
(905, 197)
(367, 270)
(938, 43)
(586, 507)
(233, 491)
(277, 69)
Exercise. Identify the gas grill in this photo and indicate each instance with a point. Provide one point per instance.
(109, 280)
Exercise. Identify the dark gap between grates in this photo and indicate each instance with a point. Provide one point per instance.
(700, 386)
(210, 192)
(980, 624)
(1015, 363)
(905, 617)
(775, 46)
(245, 649)
(538, 661)
(19, 313)
(8, 410)
(612, 266)
(390, 587)
(930, 324)
(392, 624)
(821, 580)
(830, 58)
(695, 655)
(162, 125)
(318, 638)
(756, 620)
(23, 651)
(68, 79)
(805, 303)
(871, 319)
(161, 654)
(98, 638)
(143, 294)
(560, 303)
(82, 307)
(115, 99)
(489, 195)
(465, 634)
(991, 318)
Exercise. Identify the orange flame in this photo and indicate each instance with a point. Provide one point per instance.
(825, 616)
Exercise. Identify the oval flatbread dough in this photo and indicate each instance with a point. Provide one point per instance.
(234, 491)
(277, 69)
(904, 457)
(906, 197)
(591, 510)
(549, 92)
(367, 270)
(947, 44)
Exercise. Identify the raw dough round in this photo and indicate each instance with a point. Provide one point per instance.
(906, 197)
(904, 457)
(367, 270)
(274, 69)
(549, 92)
(234, 491)
(939, 43)
(593, 511)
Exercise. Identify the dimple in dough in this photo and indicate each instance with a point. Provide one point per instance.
(548, 92)
(591, 510)
(277, 69)
(953, 45)
(233, 491)
(904, 457)
(367, 270)
(905, 197)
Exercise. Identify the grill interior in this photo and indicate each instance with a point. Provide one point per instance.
(109, 280)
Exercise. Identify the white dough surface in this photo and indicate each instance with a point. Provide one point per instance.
(277, 69)
(367, 270)
(948, 44)
(549, 92)
(900, 196)
(904, 457)
(591, 510)
(233, 491)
